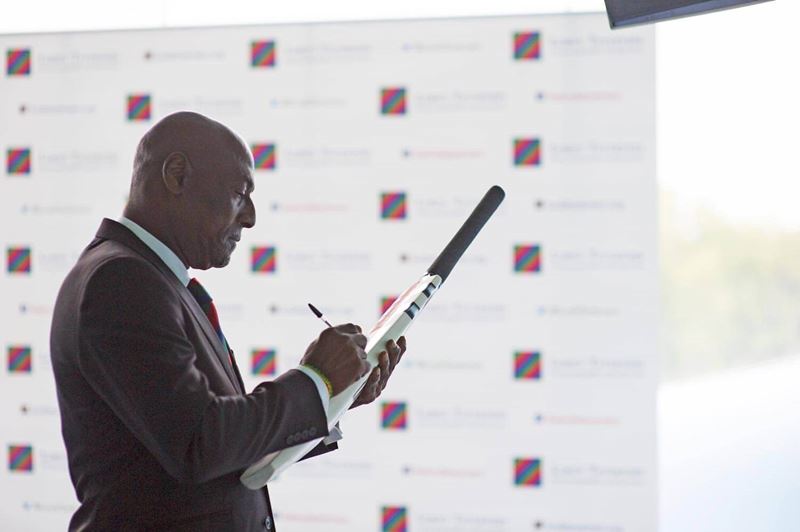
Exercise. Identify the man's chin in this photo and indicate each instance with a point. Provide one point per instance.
(219, 261)
(216, 258)
(222, 261)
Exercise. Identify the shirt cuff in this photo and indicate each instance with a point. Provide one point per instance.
(321, 388)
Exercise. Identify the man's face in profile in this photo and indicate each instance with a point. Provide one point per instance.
(219, 199)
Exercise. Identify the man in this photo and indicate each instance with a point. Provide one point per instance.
(156, 422)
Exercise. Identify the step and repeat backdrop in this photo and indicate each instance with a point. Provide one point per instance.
(526, 400)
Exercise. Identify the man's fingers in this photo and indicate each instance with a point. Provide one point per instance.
(386, 370)
(394, 354)
(373, 376)
(360, 340)
(372, 388)
(375, 383)
(387, 360)
(364, 368)
(349, 328)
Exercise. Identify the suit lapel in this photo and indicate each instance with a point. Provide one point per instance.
(238, 373)
(112, 230)
(223, 357)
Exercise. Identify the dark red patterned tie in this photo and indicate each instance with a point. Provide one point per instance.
(207, 304)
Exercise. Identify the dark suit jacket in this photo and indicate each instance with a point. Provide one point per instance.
(155, 420)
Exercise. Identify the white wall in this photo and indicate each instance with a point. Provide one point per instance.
(588, 204)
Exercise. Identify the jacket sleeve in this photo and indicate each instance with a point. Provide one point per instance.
(134, 352)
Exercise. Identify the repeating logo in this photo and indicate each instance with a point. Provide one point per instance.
(18, 161)
(20, 458)
(527, 258)
(19, 359)
(264, 259)
(527, 152)
(527, 365)
(386, 302)
(18, 62)
(263, 54)
(393, 206)
(394, 519)
(263, 362)
(527, 45)
(528, 472)
(18, 260)
(265, 156)
(139, 107)
(394, 416)
(393, 101)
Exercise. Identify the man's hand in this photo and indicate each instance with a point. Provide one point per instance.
(339, 354)
(387, 360)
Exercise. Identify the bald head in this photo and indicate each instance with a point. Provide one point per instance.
(191, 186)
(195, 136)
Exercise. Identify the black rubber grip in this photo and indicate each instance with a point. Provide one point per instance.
(449, 256)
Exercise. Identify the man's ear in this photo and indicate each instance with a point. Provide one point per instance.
(175, 170)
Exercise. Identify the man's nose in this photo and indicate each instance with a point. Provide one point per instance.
(248, 215)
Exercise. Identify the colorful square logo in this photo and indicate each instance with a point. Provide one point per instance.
(139, 107)
(393, 101)
(527, 258)
(19, 358)
(18, 260)
(393, 206)
(527, 365)
(265, 156)
(263, 362)
(264, 259)
(386, 302)
(527, 45)
(18, 161)
(263, 54)
(20, 458)
(394, 416)
(527, 152)
(18, 62)
(527, 472)
(394, 519)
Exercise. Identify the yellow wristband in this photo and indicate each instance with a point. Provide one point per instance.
(322, 376)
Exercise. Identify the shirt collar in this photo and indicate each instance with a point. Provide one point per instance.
(159, 248)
